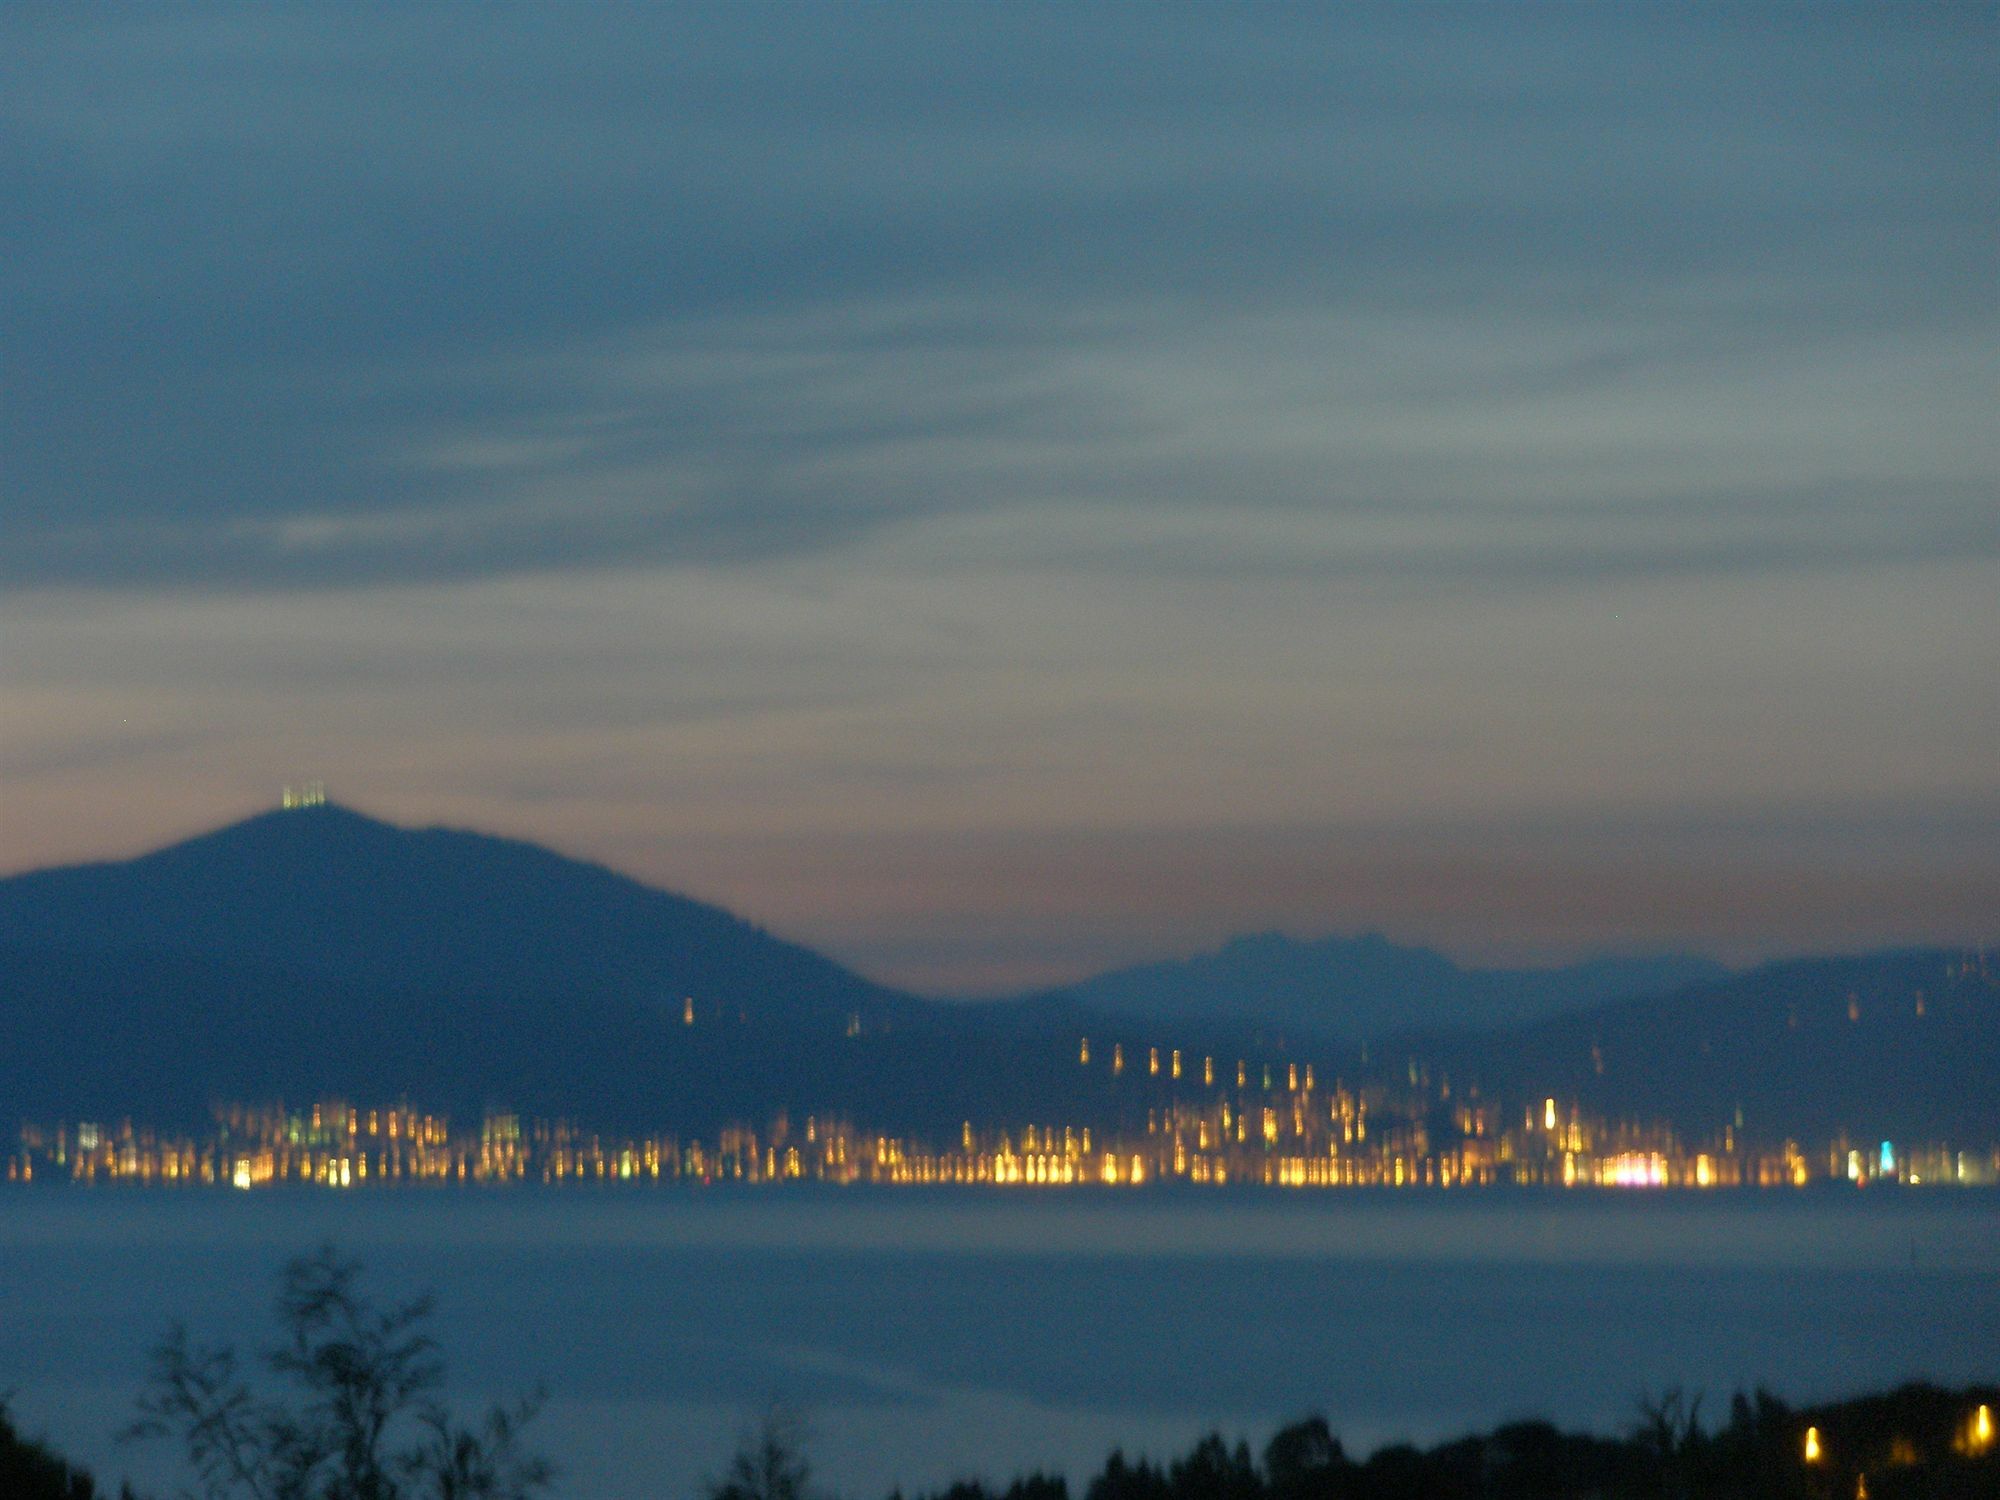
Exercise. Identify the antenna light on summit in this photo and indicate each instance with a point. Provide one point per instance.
(305, 794)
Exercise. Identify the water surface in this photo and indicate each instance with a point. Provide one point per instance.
(935, 1333)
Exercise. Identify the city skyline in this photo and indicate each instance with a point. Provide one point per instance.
(1284, 1137)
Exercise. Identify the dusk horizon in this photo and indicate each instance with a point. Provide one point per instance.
(809, 749)
(1005, 496)
(1499, 952)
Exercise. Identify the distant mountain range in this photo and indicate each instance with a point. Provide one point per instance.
(1348, 989)
(1886, 1046)
(317, 952)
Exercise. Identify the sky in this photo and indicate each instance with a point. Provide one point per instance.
(998, 492)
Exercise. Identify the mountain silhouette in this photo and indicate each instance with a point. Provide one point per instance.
(1901, 1046)
(1350, 989)
(336, 898)
(315, 950)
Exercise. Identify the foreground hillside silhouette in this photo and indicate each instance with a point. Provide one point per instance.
(1915, 1443)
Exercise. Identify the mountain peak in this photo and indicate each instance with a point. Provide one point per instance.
(314, 815)
(1365, 984)
(288, 832)
(321, 890)
(315, 948)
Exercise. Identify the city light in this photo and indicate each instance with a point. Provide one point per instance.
(1373, 1135)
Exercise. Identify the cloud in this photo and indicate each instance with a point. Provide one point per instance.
(982, 487)
(299, 303)
(1138, 437)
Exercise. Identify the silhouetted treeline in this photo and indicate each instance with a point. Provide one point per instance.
(30, 1470)
(1916, 1443)
(1919, 1442)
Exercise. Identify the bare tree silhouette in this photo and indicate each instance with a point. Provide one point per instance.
(364, 1421)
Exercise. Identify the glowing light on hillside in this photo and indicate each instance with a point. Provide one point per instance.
(1979, 1432)
(1813, 1453)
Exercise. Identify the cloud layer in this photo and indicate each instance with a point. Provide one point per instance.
(877, 428)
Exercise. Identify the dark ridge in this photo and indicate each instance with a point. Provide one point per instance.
(315, 952)
(1901, 1046)
(1349, 989)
